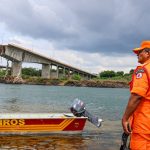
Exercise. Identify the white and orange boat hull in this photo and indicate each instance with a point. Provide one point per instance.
(40, 123)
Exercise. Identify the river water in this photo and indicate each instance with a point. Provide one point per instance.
(108, 103)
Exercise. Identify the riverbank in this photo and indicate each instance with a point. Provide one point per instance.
(70, 82)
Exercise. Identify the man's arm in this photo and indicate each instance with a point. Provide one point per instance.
(133, 102)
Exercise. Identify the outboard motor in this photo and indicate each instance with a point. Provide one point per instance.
(78, 109)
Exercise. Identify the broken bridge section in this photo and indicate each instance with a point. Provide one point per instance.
(18, 55)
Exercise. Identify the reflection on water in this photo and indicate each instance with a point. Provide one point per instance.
(59, 142)
(42, 142)
(12, 105)
(105, 138)
(12, 100)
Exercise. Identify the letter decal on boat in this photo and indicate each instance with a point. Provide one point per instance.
(21, 122)
(76, 124)
(6, 122)
(11, 122)
(14, 122)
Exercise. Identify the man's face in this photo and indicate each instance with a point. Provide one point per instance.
(143, 56)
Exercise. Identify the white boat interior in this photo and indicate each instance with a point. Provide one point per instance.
(36, 115)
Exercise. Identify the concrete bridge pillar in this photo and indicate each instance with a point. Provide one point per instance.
(86, 77)
(50, 70)
(45, 71)
(57, 72)
(64, 72)
(69, 73)
(16, 69)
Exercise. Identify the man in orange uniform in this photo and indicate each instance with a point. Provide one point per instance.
(137, 113)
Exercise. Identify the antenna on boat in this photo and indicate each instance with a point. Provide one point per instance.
(78, 109)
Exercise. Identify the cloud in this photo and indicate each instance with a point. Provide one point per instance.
(84, 25)
(95, 62)
(94, 35)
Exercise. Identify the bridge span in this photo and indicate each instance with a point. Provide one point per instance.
(1, 66)
(18, 55)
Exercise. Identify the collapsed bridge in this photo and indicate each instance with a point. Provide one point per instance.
(17, 55)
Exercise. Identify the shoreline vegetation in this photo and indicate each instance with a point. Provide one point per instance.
(66, 82)
(105, 79)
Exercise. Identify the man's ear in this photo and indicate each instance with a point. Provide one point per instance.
(148, 53)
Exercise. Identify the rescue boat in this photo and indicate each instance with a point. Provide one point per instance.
(44, 123)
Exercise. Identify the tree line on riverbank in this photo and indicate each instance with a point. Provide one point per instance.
(106, 78)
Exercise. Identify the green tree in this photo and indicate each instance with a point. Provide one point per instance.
(131, 71)
(76, 77)
(31, 72)
(120, 73)
(107, 74)
(2, 72)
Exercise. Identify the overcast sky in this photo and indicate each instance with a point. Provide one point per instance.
(93, 35)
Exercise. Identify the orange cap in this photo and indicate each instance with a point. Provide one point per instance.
(144, 44)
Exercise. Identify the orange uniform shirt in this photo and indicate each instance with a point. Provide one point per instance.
(141, 85)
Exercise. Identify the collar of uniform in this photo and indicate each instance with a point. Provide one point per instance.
(147, 62)
(141, 65)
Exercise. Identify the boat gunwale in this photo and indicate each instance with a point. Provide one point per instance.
(39, 116)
